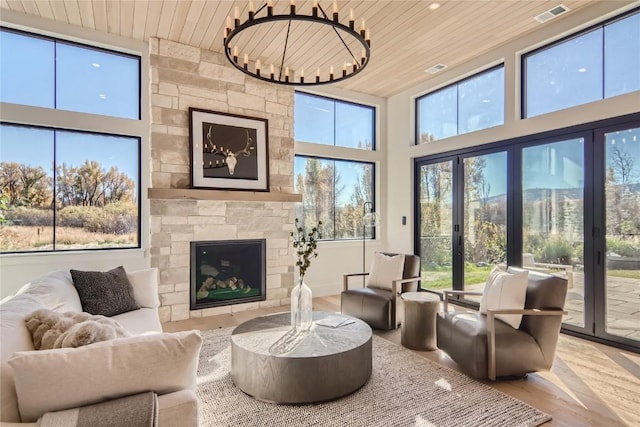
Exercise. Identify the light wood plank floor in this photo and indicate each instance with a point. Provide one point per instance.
(590, 384)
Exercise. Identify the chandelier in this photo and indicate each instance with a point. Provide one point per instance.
(245, 39)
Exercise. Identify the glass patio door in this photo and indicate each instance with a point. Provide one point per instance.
(553, 217)
(435, 223)
(620, 314)
(485, 217)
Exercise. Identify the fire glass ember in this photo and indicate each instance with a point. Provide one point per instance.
(227, 272)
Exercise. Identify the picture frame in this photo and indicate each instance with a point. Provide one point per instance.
(228, 151)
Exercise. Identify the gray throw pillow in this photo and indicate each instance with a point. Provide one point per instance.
(107, 293)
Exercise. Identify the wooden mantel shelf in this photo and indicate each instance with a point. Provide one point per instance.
(243, 196)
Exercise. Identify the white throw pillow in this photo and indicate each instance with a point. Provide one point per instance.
(505, 291)
(55, 291)
(53, 380)
(384, 270)
(145, 287)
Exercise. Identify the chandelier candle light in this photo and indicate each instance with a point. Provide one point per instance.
(287, 74)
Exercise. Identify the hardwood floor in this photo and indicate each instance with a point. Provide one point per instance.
(590, 384)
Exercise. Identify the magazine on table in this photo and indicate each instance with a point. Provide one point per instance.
(335, 321)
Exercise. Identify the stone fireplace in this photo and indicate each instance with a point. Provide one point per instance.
(184, 76)
(225, 272)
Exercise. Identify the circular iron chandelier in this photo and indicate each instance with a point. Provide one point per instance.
(282, 73)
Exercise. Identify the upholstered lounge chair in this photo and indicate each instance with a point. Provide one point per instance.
(381, 306)
(485, 347)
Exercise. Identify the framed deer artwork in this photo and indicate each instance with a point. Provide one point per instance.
(228, 151)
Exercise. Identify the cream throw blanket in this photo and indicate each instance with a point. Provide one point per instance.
(139, 410)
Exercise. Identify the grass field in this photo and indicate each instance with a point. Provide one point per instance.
(32, 238)
(441, 277)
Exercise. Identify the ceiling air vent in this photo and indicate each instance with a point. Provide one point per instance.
(552, 13)
(436, 68)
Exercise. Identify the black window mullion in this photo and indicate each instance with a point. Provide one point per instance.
(594, 230)
(514, 206)
(54, 189)
(602, 88)
(458, 223)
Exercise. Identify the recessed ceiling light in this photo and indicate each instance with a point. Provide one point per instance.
(582, 70)
(434, 6)
(96, 65)
(102, 96)
(436, 68)
(486, 101)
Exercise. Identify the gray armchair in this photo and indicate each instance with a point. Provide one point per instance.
(381, 308)
(485, 347)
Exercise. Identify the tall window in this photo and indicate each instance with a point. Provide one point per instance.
(600, 63)
(334, 190)
(469, 105)
(64, 189)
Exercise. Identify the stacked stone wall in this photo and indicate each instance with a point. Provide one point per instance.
(183, 76)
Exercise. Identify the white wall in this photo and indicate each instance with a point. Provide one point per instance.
(18, 269)
(401, 118)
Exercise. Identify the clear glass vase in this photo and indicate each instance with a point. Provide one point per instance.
(301, 307)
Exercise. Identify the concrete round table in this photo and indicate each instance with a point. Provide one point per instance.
(272, 363)
(419, 326)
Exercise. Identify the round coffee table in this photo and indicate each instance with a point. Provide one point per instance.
(271, 363)
(419, 326)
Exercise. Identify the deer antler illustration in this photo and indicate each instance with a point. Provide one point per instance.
(229, 158)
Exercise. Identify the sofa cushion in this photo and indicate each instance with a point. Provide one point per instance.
(142, 321)
(385, 269)
(14, 337)
(145, 287)
(52, 380)
(107, 293)
(505, 291)
(55, 291)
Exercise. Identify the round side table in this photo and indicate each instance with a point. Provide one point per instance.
(419, 326)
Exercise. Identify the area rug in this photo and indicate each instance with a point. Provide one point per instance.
(405, 389)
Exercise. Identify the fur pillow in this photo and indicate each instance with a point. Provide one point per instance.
(49, 329)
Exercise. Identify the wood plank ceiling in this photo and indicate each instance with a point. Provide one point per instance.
(407, 36)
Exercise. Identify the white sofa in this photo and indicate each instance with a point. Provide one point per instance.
(23, 390)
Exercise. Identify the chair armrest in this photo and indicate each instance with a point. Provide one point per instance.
(445, 305)
(345, 279)
(399, 282)
(491, 331)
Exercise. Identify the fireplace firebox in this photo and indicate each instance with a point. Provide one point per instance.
(227, 272)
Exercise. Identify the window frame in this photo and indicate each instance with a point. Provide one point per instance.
(341, 101)
(456, 84)
(523, 61)
(71, 121)
(373, 193)
(350, 154)
(54, 176)
(58, 40)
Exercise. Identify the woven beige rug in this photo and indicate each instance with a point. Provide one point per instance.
(404, 390)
